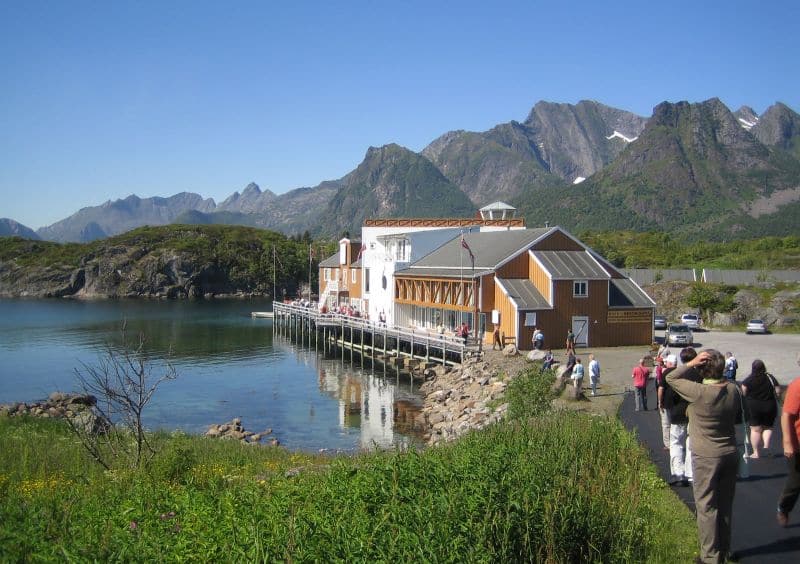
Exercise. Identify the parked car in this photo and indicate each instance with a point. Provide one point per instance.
(756, 326)
(659, 322)
(691, 320)
(679, 334)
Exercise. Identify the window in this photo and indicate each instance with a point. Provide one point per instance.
(366, 280)
(327, 274)
(353, 274)
(401, 251)
(580, 288)
(344, 276)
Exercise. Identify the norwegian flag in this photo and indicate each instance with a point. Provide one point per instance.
(311, 253)
(466, 246)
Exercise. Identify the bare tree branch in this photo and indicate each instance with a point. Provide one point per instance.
(123, 384)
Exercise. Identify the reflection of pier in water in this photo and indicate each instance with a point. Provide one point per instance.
(371, 404)
(384, 407)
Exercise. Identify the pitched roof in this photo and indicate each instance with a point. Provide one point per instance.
(623, 292)
(490, 249)
(564, 265)
(330, 262)
(522, 293)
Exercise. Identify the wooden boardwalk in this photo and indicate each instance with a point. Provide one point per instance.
(335, 332)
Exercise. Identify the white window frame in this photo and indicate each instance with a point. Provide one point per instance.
(576, 287)
(366, 281)
(327, 274)
(353, 273)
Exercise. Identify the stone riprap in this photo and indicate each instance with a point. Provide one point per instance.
(75, 407)
(233, 430)
(459, 400)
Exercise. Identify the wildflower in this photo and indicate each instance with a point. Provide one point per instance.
(133, 526)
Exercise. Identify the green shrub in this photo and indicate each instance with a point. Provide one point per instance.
(530, 393)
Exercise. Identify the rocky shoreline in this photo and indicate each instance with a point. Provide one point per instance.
(456, 401)
(466, 398)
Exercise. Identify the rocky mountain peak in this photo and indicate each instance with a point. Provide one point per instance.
(9, 227)
(251, 189)
(747, 117)
(779, 126)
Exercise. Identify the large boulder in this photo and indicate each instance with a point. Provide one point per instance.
(89, 423)
(535, 355)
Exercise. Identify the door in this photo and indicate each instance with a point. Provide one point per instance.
(580, 327)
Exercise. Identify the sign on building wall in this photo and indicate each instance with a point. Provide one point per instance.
(629, 316)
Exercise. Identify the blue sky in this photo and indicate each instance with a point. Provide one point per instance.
(100, 100)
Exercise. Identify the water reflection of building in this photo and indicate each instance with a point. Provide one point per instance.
(370, 404)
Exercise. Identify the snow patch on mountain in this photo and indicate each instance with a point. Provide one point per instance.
(578, 180)
(621, 136)
(747, 124)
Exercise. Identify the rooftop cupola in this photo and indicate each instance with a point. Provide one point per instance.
(498, 210)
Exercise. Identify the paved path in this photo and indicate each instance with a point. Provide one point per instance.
(756, 536)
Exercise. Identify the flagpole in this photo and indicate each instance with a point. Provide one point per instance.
(309, 272)
(461, 266)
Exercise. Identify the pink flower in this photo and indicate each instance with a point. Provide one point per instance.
(133, 526)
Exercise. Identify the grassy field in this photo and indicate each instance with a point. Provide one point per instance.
(545, 486)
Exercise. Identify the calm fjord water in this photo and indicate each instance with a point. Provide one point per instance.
(229, 365)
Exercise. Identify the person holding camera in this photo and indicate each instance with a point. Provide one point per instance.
(713, 407)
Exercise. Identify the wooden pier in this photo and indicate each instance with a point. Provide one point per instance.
(405, 348)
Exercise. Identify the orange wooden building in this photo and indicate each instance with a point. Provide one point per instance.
(520, 280)
(340, 279)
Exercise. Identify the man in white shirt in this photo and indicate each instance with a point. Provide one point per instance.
(594, 373)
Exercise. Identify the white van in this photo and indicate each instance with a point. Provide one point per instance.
(691, 320)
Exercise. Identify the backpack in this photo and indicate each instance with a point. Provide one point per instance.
(734, 366)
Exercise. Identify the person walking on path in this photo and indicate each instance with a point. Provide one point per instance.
(577, 377)
(663, 413)
(731, 366)
(496, 342)
(713, 407)
(761, 391)
(537, 339)
(571, 360)
(790, 425)
(680, 448)
(640, 375)
(570, 342)
(594, 373)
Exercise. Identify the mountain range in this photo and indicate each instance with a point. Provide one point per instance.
(694, 168)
